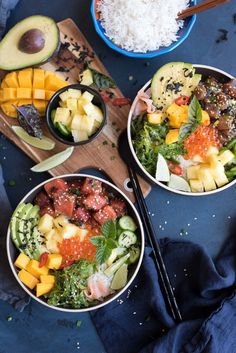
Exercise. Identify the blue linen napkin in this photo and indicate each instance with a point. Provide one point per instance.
(5, 7)
(205, 292)
(10, 291)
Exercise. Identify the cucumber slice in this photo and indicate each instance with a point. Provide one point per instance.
(63, 129)
(134, 254)
(127, 238)
(178, 183)
(44, 143)
(115, 254)
(127, 223)
(120, 278)
(162, 169)
(53, 161)
(115, 267)
(53, 113)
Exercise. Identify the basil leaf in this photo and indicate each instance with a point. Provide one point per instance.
(109, 229)
(194, 119)
(97, 240)
(102, 81)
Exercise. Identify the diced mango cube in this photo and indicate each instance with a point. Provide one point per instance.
(9, 93)
(54, 261)
(38, 93)
(4, 84)
(28, 279)
(11, 79)
(9, 109)
(25, 101)
(177, 115)
(43, 288)
(226, 157)
(54, 83)
(205, 118)
(63, 116)
(25, 78)
(155, 118)
(38, 78)
(49, 279)
(35, 270)
(22, 261)
(172, 136)
(48, 95)
(45, 223)
(25, 93)
(40, 105)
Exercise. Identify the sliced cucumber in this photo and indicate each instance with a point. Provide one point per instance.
(114, 267)
(134, 254)
(63, 129)
(162, 169)
(127, 223)
(115, 254)
(178, 183)
(53, 113)
(127, 238)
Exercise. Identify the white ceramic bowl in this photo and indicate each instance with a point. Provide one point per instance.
(202, 69)
(12, 252)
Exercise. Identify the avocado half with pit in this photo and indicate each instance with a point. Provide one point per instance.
(30, 42)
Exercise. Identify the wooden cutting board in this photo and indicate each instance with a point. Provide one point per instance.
(102, 153)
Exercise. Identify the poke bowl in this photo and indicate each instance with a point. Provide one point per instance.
(182, 129)
(75, 243)
(181, 34)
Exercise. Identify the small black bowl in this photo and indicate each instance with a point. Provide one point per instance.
(54, 103)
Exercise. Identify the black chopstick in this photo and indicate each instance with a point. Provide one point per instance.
(159, 262)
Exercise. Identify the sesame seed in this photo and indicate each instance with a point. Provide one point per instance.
(195, 218)
(140, 323)
(167, 202)
(213, 216)
(188, 224)
(165, 222)
(229, 217)
(134, 313)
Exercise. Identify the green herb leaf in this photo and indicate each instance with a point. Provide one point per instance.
(103, 253)
(109, 229)
(102, 81)
(194, 119)
(97, 240)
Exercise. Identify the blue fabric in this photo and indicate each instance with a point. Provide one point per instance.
(204, 291)
(5, 7)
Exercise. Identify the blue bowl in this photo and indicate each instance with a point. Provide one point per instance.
(182, 34)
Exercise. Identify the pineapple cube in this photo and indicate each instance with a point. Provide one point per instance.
(22, 261)
(63, 104)
(35, 270)
(155, 118)
(82, 233)
(196, 185)
(226, 157)
(87, 97)
(213, 161)
(52, 246)
(63, 116)
(74, 93)
(80, 106)
(45, 223)
(53, 234)
(43, 288)
(88, 108)
(205, 118)
(71, 104)
(97, 114)
(96, 126)
(69, 230)
(204, 175)
(192, 172)
(197, 159)
(87, 124)
(86, 78)
(218, 173)
(54, 261)
(28, 279)
(172, 136)
(60, 221)
(64, 96)
(76, 122)
(49, 279)
(212, 151)
(79, 135)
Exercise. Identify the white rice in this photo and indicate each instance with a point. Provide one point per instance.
(141, 25)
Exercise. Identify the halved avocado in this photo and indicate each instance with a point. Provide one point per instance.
(171, 81)
(30, 42)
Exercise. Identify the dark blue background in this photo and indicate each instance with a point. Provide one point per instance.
(206, 220)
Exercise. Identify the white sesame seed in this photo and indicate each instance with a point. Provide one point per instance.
(167, 202)
(140, 323)
(185, 269)
(186, 233)
(195, 218)
(165, 222)
(229, 217)
(160, 226)
(188, 224)
(134, 313)
(175, 275)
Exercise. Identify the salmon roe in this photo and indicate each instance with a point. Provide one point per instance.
(73, 249)
(200, 140)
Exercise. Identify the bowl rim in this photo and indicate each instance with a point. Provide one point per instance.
(150, 177)
(138, 55)
(32, 295)
(49, 123)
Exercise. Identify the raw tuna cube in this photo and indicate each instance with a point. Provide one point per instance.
(91, 185)
(55, 185)
(64, 203)
(80, 214)
(119, 207)
(105, 214)
(95, 202)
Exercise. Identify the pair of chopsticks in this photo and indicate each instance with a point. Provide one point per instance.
(205, 5)
(160, 265)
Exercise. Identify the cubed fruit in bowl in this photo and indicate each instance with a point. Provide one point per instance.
(206, 178)
(97, 114)
(69, 230)
(196, 185)
(60, 221)
(79, 135)
(43, 288)
(35, 270)
(87, 124)
(45, 223)
(63, 116)
(54, 261)
(74, 93)
(22, 261)
(28, 279)
(72, 104)
(192, 171)
(49, 279)
(87, 97)
(76, 122)
(89, 108)
(52, 246)
(226, 157)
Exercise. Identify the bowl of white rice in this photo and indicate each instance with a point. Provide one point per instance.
(142, 28)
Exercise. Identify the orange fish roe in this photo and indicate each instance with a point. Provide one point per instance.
(73, 249)
(200, 140)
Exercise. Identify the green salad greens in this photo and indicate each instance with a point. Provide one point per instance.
(149, 140)
(71, 283)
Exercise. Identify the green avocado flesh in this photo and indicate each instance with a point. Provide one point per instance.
(171, 81)
(12, 58)
(24, 232)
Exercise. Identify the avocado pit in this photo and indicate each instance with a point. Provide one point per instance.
(32, 41)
